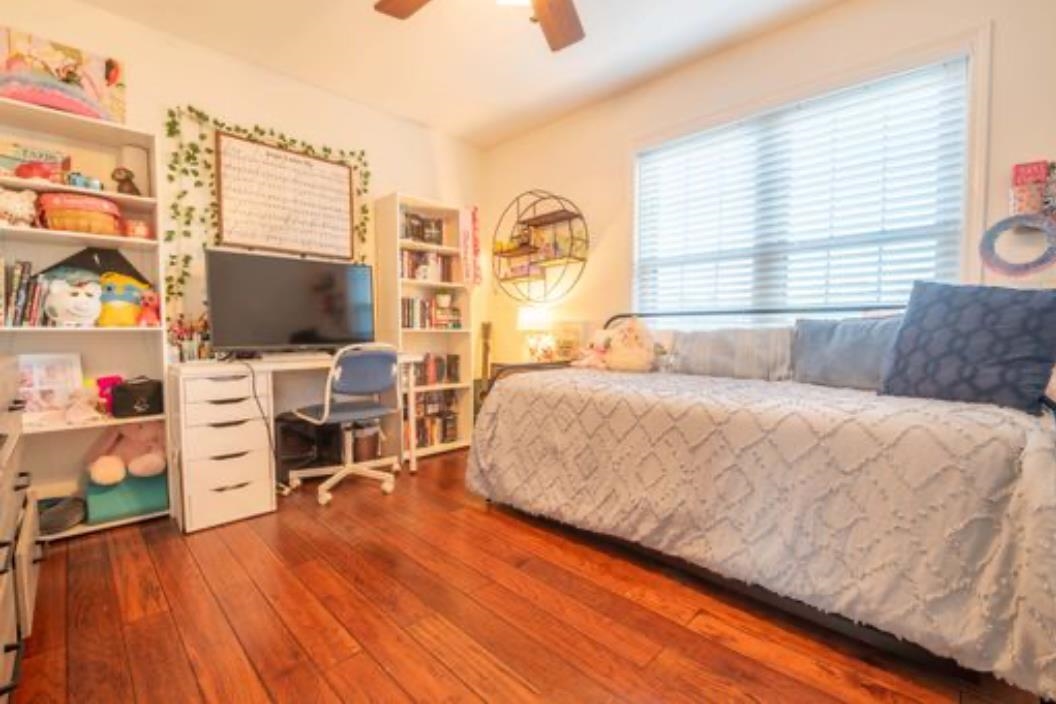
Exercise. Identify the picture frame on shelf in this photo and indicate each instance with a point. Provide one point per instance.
(48, 384)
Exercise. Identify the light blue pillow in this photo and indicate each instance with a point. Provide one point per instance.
(844, 353)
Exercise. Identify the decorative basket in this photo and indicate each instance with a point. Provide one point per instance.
(79, 213)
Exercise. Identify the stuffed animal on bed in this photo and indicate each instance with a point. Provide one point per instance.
(627, 348)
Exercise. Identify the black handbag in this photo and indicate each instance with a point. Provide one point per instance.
(139, 396)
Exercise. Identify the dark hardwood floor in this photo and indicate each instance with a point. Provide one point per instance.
(427, 595)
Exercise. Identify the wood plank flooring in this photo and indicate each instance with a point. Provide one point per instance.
(428, 595)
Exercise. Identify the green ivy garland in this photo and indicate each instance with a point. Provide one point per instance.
(191, 167)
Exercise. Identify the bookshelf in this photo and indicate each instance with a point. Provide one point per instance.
(410, 268)
(54, 454)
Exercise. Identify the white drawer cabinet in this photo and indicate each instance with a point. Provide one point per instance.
(221, 444)
(11, 651)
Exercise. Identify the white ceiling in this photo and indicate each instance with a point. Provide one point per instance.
(471, 68)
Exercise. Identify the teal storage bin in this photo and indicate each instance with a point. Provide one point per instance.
(134, 496)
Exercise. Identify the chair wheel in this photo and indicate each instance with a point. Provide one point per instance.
(324, 498)
(388, 486)
(294, 483)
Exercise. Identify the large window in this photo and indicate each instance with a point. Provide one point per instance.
(841, 200)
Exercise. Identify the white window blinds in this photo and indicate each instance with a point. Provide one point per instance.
(841, 200)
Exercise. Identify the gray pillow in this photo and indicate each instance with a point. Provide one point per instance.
(739, 353)
(845, 353)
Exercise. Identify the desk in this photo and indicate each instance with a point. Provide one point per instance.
(221, 431)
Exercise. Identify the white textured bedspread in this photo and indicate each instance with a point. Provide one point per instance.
(933, 521)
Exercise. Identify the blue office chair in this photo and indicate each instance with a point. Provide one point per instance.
(366, 373)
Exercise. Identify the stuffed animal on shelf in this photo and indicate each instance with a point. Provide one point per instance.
(73, 304)
(137, 449)
(122, 299)
(17, 207)
(125, 183)
(149, 310)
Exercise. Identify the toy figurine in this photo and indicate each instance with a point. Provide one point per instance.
(149, 310)
(125, 184)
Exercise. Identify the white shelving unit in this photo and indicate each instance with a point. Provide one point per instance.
(393, 286)
(56, 464)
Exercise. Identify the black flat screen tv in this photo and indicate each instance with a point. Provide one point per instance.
(274, 303)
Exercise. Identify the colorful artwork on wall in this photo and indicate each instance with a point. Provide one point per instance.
(39, 71)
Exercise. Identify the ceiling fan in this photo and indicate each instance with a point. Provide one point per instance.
(558, 18)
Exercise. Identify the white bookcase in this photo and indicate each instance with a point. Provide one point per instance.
(54, 456)
(391, 288)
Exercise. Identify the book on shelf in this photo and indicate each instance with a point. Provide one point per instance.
(426, 266)
(424, 314)
(24, 294)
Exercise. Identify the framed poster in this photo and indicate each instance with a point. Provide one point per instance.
(278, 200)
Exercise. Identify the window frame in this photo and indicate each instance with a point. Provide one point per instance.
(973, 45)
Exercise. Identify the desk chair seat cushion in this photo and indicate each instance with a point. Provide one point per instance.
(348, 411)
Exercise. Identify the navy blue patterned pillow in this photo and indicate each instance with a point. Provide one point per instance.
(978, 344)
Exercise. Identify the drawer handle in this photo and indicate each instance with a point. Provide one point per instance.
(228, 401)
(229, 424)
(233, 487)
(229, 377)
(23, 481)
(231, 456)
(19, 649)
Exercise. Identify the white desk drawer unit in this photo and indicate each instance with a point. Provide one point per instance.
(225, 462)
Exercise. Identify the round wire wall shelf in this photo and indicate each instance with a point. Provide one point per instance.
(540, 247)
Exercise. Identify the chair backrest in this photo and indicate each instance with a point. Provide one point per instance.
(362, 370)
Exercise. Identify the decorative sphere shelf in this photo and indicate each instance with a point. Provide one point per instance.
(540, 247)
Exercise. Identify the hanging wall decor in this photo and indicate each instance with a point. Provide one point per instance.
(1032, 202)
(540, 247)
(194, 217)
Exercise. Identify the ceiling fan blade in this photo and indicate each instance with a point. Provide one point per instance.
(400, 9)
(560, 22)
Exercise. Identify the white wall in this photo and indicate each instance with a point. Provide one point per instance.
(588, 155)
(163, 71)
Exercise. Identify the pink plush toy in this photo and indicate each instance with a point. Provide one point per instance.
(137, 449)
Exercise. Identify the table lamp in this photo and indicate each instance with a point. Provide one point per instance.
(536, 321)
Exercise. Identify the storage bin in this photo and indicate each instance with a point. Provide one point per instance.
(366, 441)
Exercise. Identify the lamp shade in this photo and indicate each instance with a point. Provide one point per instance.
(533, 319)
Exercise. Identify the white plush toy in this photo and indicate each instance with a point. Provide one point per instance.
(73, 305)
(631, 349)
(17, 207)
(627, 348)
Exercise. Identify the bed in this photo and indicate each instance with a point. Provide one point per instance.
(933, 521)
